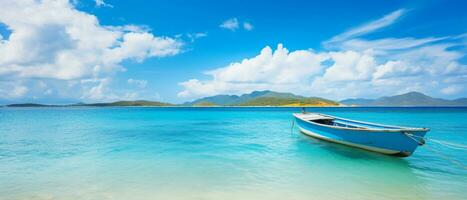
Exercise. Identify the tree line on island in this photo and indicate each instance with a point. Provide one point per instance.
(271, 98)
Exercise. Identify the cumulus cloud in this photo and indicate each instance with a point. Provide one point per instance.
(279, 69)
(140, 46)
(57, 42)
(337, 74)
(349, 66)
(394, 69)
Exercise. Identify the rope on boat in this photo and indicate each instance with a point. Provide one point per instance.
(420, 141)
(453, 161)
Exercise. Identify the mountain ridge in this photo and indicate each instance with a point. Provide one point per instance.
(116, 103)
(406, 99)
(271, 98)
(262, 98)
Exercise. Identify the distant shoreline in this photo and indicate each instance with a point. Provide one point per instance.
(339, 106)
(86, 106)
(269, 99)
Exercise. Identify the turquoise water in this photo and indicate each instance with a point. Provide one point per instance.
(218, 153)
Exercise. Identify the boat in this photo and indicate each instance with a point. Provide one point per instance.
(385, 139)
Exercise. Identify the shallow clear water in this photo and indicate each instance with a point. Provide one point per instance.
(218, 153)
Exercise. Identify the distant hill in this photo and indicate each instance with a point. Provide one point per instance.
(407, 99)
(215, 100)
(117, 103)
(130, 103)
(204, 104)
(29, 105)
(262, 98)
(271, 98)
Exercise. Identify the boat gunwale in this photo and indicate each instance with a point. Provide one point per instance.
(397, 129)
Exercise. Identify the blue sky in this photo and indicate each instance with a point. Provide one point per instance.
(175, 51)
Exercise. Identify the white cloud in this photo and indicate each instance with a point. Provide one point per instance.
(230, 24)
(279, 66)
(140, 46)
(101, 3)
(12, 89)
(452, 89)
(279, 69)
(433, 69)
(355, 67)
(384, 45)
(350, 66)
(58, 42)
(234, 24)
(139, 83)
(99, 91)
(194, 36)
(369, 27)
(19, 91)
(393, 69)
(247, 26)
